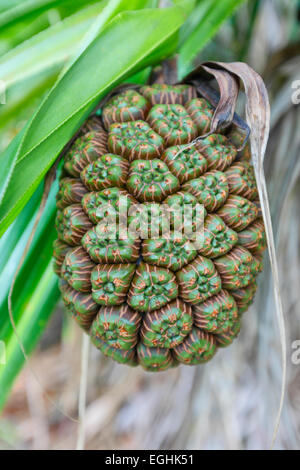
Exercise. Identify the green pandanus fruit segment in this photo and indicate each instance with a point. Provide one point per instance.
(218, 238)
(123, 356)
(198, 281)
(77, 268)
(226, 338)
(167, 327)
(135, 140)
(107, 171)
(173, 123)
(160, 236)
(81, 306)
(238, 212)
(107, 205)
(128, 106)
(74, 225)
(253, 237)
(198, 347)
(241, 180)
(150, 220)
(106, 245)
(185, 163)
(259, 257)
(244, 296)
(154, 359)
(201, 112)
(218, 151)
(60, 249)
(87, 149)
(172, 253)
(111, 282)
(59, 223)
(160, 93)
(237, 138)
(186, 214)
(152, 288)
(256, 202)
(238, 268)
(151, 180)
(217, 314)
(71, 191)
(211, 189)
(117, 326)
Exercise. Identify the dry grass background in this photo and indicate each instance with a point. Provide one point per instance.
(231, 403)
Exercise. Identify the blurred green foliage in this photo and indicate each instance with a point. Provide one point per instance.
(48, 49)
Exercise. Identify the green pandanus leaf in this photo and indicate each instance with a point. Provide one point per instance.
(35, 292)
(201, 26)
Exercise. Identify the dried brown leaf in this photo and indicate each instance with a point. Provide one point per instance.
(224, 102)
(229, 90)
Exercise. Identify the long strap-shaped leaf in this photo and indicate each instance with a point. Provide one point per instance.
(23, 10)
(258, 118)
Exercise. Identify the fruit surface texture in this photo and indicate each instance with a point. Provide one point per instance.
(160, 238)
